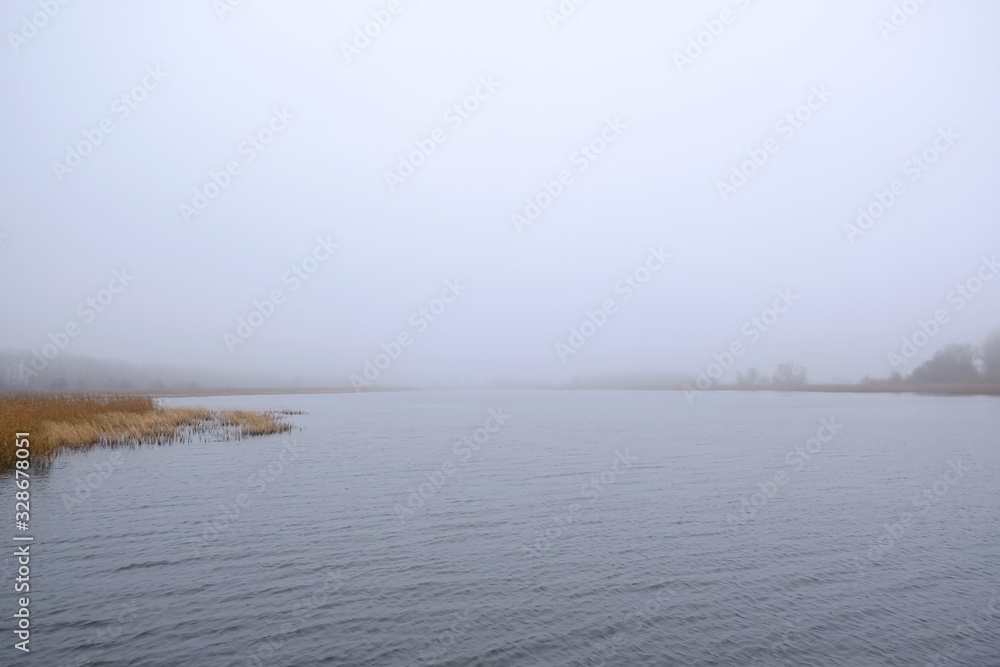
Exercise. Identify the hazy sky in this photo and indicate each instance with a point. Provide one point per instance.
(199, 82)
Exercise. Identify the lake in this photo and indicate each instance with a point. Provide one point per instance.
(489, 527)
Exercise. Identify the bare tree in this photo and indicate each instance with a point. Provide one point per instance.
(750, 378)
(991, 358)
(790, 374)
(952, 363)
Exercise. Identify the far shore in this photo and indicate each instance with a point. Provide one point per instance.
(945, 390)
(199, 392)
(938, 390)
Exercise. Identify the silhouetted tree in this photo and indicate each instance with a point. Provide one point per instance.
(952, 363)
(991, 358)
(751, 377)
(790, 374)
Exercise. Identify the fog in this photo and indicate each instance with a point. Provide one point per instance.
(187, 164)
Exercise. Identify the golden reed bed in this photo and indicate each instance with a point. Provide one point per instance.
(58, 422)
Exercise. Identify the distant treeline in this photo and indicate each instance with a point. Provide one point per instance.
(30, 371)
(788, 374)
(957, 363)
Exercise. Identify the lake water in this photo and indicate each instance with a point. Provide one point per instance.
(588, 528)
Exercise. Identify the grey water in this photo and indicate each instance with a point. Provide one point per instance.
(487, 527)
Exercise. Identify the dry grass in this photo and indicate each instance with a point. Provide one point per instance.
(59, 422)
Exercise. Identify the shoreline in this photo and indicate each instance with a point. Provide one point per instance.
(936, 390)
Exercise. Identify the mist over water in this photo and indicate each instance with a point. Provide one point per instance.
(291, 188)
(406, 225)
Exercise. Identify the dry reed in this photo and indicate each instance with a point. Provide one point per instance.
(60, 422)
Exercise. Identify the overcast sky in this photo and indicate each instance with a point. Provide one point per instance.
(666, 120)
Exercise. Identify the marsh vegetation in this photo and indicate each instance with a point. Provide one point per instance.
(58, 422)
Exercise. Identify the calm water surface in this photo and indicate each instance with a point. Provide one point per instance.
(589, 528)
